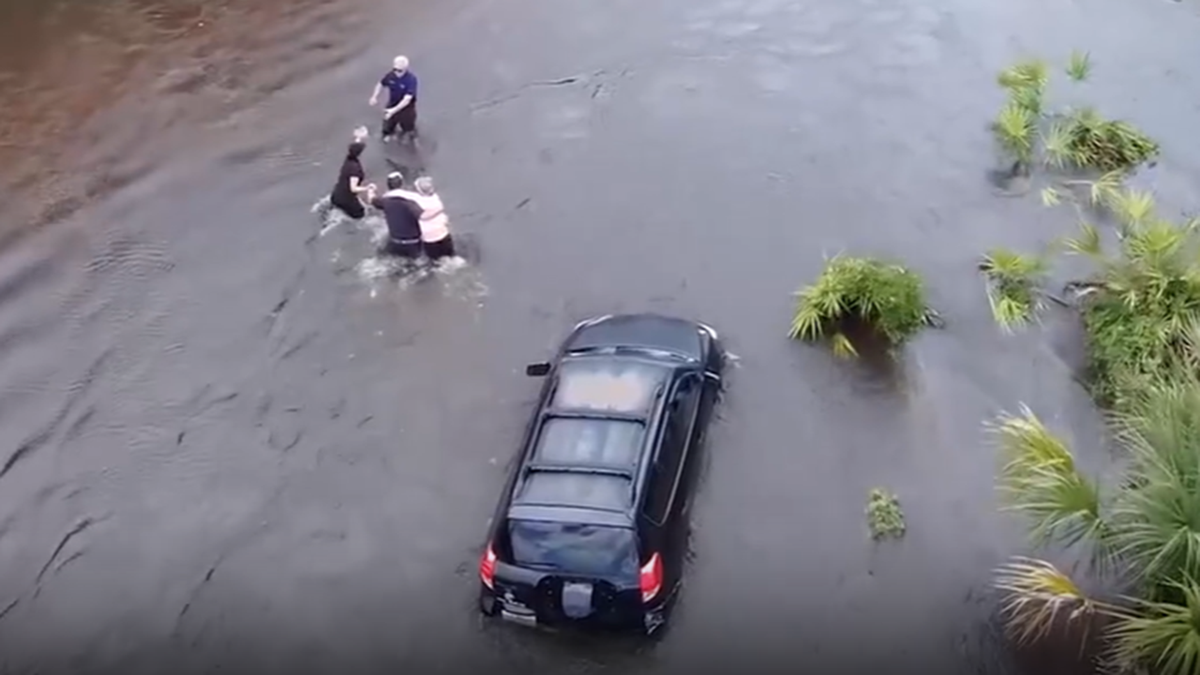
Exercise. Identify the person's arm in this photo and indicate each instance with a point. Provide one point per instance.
(375, 94)
(400, 106)
(356, 182)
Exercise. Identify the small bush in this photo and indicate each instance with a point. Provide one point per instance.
(1080, 139)
(1014, 284)
(1092, 142)
(1140, 311)
(887, 298)
(884, 516)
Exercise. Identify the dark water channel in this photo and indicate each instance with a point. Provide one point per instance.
(224, 449)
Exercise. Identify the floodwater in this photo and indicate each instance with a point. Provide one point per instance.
(227, 445)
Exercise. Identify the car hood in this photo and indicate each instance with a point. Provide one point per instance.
(649, 331)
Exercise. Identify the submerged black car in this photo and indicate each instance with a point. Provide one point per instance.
(591, 529)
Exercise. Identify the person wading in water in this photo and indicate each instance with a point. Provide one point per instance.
(402, 216)
(345, 194)
(401, 108)
(435, 225)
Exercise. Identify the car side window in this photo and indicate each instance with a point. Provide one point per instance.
(664, 474)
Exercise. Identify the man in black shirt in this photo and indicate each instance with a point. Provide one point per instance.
(403, 218)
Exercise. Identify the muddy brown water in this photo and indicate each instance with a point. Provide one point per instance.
(224, 448)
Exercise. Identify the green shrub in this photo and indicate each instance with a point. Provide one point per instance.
(1092, 142)
(884, 516)
(885, 297)
(1014, 284)
(1082, 139)
(1141, 308)
(1142, 531)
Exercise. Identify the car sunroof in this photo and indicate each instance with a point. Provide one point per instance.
(590, 442)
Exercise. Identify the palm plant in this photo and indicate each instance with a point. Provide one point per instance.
(1146, 530)
(1016, 127)
(1074, 139)
(1014, 283)
(1143, 300)
(885, 297)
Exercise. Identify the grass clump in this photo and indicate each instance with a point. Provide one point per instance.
(1014, 283)
(884, 297)
(1143, 531)
(884, 516)
(1080, 139)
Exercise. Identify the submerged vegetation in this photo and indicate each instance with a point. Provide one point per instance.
(884, 517)
(1140, 310)
(1014, 283)
(1080, 138)
(1143, 532)
(883, 297)
(1140, 306)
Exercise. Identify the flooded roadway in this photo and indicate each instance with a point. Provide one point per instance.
(223, 448)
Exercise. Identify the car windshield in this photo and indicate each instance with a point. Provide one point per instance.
(573, 548)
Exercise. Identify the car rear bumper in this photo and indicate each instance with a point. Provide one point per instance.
(646, 621)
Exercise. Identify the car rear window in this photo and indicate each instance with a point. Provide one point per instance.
(572, 548)
(590, 442)
(588, 490)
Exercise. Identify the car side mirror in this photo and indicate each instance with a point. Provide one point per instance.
(537, 369)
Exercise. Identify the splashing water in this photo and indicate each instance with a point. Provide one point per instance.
(329, 217)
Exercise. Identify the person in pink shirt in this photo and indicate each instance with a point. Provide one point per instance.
(435, 225)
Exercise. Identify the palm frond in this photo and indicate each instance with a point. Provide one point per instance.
(1131, 207)
(1104, 189)
(1156, 515)
(1056, 144)
(842, 347)
(1051, 197)
(1039, 597)
(1040, 480)
(1164, 636)
(1087, 243)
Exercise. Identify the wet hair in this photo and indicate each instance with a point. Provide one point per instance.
(395, 180)
(355, 149)
(424, 185)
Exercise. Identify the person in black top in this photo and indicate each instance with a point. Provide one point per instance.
(350, 183)
(403, 218)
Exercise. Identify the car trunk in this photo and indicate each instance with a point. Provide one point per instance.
(562, 574)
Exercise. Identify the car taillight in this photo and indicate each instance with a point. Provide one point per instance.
(651, 578)
(487, 567)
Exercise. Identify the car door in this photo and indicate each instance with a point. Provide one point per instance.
(671, 463)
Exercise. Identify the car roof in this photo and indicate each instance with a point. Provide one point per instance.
(591, 439)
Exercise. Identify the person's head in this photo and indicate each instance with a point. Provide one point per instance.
(424, 185)
(361, 134)
(395, 180)
(400, 64)
(355, 149)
